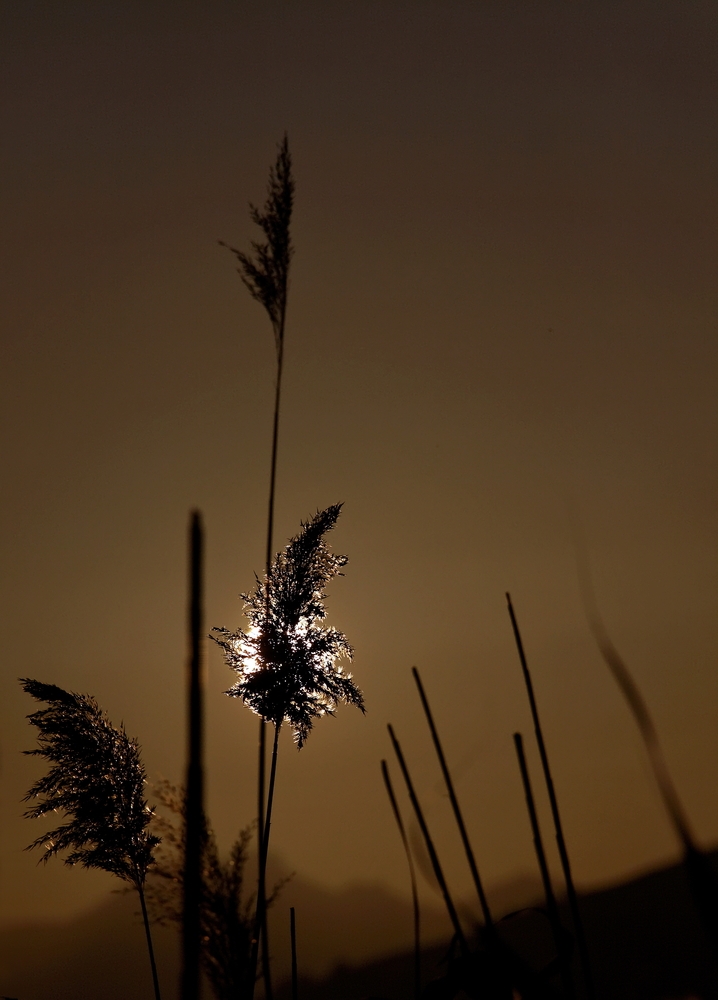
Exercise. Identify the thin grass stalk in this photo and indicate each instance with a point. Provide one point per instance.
(261, 914)
(194, 800)
(559, 934)
(412, 875)
(435, 864)
(293, 938)
(148, 935)
(262, 887)
(581, 945)
(700, 874)
(455, 804)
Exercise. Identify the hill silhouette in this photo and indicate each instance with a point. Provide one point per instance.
(354, 943)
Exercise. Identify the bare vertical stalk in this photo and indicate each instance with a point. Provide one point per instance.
(435, 864)
(560, 842)
(194, 801)
(454, 804)
(265, 273)
(148, 935)
(551, 907)
(261, 916)
(293, 936)
(412, 876)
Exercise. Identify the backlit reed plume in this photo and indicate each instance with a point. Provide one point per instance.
(265, 272)
(286, 660)
(97, 782)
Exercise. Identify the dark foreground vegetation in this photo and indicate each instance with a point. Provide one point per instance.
(646, 944)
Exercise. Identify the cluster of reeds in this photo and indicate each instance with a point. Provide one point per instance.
(286, 663)
(488, 968)
(287, 672)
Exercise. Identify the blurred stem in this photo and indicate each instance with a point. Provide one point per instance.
(412, 875)
(558, 827)
(194, 796)
(435, 863)
(293, 936)
(455, 804)
(559, 935)
(148, 935)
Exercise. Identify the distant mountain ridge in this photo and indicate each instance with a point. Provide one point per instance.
(354, 942)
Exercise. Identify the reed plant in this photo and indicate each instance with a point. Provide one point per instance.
(227, 909)
(265, 273)
(286, 660)
(97, 782)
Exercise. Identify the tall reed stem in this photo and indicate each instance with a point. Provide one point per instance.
(701, 876)
(262, 929)
(412, 876)
(148, 935)
(435, 864)
(194, 800)
(560, 842)
(293, 937)
(454, 804)
(559, 935)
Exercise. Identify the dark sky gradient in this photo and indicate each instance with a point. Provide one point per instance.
(503, 308)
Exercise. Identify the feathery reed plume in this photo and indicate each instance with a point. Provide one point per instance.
(435, 864)
(293, 939)
(559, 934)
(699, 871)
(285, 661)
(582, 947)
(412, 876)
(266, 276)
(454, 803)
(194, 810)
(97, 780)
(227, 917)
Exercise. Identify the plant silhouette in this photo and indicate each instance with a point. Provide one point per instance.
(266, 275)
(226, 911)
(285, 660)
(97, 780)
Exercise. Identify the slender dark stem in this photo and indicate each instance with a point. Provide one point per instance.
(148, 935)
(701, 876)
(454, 803)
(435, 864)
(559, 934)
(412, 875)
(561, 843)
(194, 805)
(261, 912)
(262, 928)
(293, 936)
(261, 868)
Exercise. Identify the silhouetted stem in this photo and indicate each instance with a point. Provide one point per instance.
(551, 907)
(293, 936)
(194, 804)
(451, 909)
(260, 917)
(412, 875)
(560, 842)
(454, 803)
(702, 879)
(150, 949)
(262, 888)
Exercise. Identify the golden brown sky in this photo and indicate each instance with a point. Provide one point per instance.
(503, 305)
